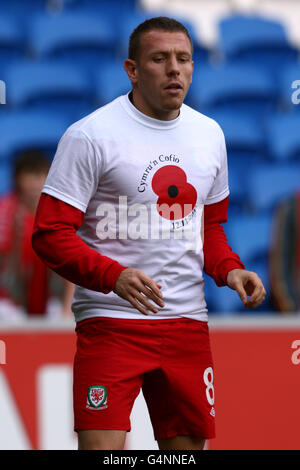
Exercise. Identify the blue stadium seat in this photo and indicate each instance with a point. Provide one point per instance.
(222, 301)
(256, 40)
(268, 184)
(246, 89)
(21, 8)
(80, 38)
(245, 148)
(5, 177)
(249, 235)
(283, 137)
(111, 80)
(32, 129)
(12, 45)
(50, 86)
(242, 133)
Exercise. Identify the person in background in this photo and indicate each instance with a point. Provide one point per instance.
(27, 286)
(285, 256)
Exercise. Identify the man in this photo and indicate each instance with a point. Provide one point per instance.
(27, 286)
(133, 178)
(284, 256)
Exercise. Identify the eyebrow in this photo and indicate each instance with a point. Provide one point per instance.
(167, 53)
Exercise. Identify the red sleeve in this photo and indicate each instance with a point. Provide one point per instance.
(219, 258)
(55, 241)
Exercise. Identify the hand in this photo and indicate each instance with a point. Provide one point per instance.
(136, 287)
(247, 283)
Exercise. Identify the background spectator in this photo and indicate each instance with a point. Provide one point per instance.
(26, 285)
(285, 256)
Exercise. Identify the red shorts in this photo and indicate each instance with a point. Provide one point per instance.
(169, 359)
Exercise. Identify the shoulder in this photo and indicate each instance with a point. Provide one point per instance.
(201, 121)
(97, 124)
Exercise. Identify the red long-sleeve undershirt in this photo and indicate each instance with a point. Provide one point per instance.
(56, 242)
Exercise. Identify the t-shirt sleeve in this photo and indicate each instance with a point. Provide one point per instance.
(75, 171)
(220, 188)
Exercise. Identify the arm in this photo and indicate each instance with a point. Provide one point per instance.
(222, 264)
(57, 244)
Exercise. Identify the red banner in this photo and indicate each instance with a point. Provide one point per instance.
(256, 381)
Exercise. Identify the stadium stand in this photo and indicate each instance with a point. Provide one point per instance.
(244, 88)
(283, 137)
(256, 41)
(12, 46)
(78, 37)
(111, 81)
(61, 59)
(268, 184)
(22, 130)
(48, 85)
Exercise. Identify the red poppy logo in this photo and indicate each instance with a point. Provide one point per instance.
(176, 197)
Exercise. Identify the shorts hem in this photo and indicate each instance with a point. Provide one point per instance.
(102, 428)
(169, 434)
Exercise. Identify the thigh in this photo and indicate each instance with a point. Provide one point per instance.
(181, 443)
(180, 395)
(105, 381)
(101, 440)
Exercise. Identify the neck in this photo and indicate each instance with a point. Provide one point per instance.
(143, 107)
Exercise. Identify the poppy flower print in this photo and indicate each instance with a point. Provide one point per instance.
(176, 197)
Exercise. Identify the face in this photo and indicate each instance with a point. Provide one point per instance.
(29, 187)
(162, 74)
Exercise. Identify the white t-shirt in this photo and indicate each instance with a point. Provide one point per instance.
(124, 170)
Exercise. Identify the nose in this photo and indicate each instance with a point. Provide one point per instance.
(172, 66)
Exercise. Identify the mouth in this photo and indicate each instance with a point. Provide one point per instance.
(173, 88)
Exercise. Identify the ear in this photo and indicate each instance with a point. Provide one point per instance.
(131, 70)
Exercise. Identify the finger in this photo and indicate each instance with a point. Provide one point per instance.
(137, 305)
(242, 293)
(140, 287)
(253, 303)
(152, 285)
(258, 293)
(151, 295)
(143, 300)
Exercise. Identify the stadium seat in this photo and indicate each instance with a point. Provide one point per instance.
(19, 8)
(246, 89)
(51, 86)
(242, 133)
(5, 177)
(268, 184)
(245, 148)
(111, 80)
(32, 129)
(221, 301)
(12, 45)
(80, 38)
(255, 40)
(249, 235)
(283, 137)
